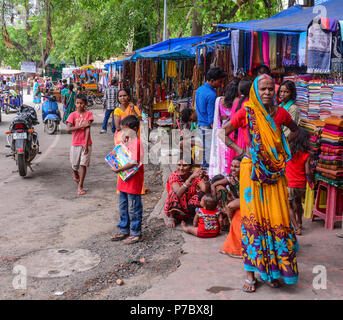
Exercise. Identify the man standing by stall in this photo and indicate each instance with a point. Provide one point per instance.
(205, 100)
(110, 103)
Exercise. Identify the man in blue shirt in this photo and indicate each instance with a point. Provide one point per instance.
(205, 100)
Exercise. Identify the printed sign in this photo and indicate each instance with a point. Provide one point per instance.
(28, 67)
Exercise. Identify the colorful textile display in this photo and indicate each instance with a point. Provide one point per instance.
(337, 101)
(330, 164)
(319, 44)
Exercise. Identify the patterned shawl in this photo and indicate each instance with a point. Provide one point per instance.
(268, 147)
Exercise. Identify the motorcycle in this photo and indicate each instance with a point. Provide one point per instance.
(51, 115)
(22, 138)
(5, 98)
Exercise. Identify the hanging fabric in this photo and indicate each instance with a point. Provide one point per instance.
(279, 38)
(319, 43)
(171, 69)
(302, 49)
(235, 50)
(241, 52)
(256, 52)
(265, 48)
(272, 51)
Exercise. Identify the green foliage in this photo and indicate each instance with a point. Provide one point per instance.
(101, 29)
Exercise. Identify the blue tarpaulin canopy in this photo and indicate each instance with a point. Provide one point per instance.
(294, 19)
(179, 48)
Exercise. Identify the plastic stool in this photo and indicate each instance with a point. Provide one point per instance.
(334, 205)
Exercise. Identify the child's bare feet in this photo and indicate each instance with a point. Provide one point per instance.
(183, 225)
(170, 223)
(76, 177)
(81, 192)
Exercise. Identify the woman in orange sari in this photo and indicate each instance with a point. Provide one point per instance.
(269, 243)
(126, 108)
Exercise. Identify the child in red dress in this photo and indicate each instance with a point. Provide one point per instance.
(297, 172)
(208, 219)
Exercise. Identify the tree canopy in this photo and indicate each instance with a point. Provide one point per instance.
(83, 31)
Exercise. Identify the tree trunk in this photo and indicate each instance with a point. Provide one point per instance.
(159, 32)
(291, 3)
(196, 24)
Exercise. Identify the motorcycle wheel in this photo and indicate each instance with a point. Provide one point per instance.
(98, 100)
(50, 126)
(22, 166)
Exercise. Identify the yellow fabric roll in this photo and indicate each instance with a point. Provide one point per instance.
(309, 202)
(171, 69)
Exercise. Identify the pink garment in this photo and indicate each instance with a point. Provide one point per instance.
(336, 133)
(265, 48)
(224, 112)
(76, 119)
(240, 139)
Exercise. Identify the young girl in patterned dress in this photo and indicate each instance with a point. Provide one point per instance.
(208, 220)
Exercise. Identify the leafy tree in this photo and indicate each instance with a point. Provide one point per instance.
(83, 31)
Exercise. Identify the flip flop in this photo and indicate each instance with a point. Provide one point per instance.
(250, 283)
(268, 283)
(81, 192)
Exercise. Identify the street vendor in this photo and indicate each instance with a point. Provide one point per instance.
(185, 190)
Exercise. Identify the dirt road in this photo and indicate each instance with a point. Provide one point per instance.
(60, 241)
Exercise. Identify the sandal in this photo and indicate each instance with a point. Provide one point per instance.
(270, 283)
(119, 236)
(132, 239)
(81, 192)
(298, 231)
(250, 283)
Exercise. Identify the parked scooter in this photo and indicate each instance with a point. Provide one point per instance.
(51, 115)
(22, 138)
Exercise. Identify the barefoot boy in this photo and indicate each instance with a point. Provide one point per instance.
(79, 123)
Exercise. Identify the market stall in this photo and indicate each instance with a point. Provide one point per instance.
(89, 78)
(160, 77)
(15, 81)
(298, 46)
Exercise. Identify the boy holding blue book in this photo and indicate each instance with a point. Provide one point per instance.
(130, 202)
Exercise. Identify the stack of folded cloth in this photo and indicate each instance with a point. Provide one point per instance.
(330, 163)
(302, 97)
(337, 101)
(314, 100)
(314, 127)
(326, 93)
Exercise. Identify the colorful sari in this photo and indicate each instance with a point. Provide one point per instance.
(269, 244)
(36, 94)
(238, 139)
(183, 207)
(123, 115)
(70, 106)
(233, 243)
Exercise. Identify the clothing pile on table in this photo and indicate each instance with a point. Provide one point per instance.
(326, 93)
(314, 127)
(314, 100)
(330, 163)
(337, 101)
(302, 97)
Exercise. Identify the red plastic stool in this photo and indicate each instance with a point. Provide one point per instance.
(334, 205)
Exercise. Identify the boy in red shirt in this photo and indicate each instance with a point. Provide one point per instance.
(79, 123)
(208, 220)
(297, 171)
(130, 201)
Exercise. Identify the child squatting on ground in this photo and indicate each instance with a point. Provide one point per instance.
(208, 220)
(78, 123)
(130, 202)
(297, 172)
